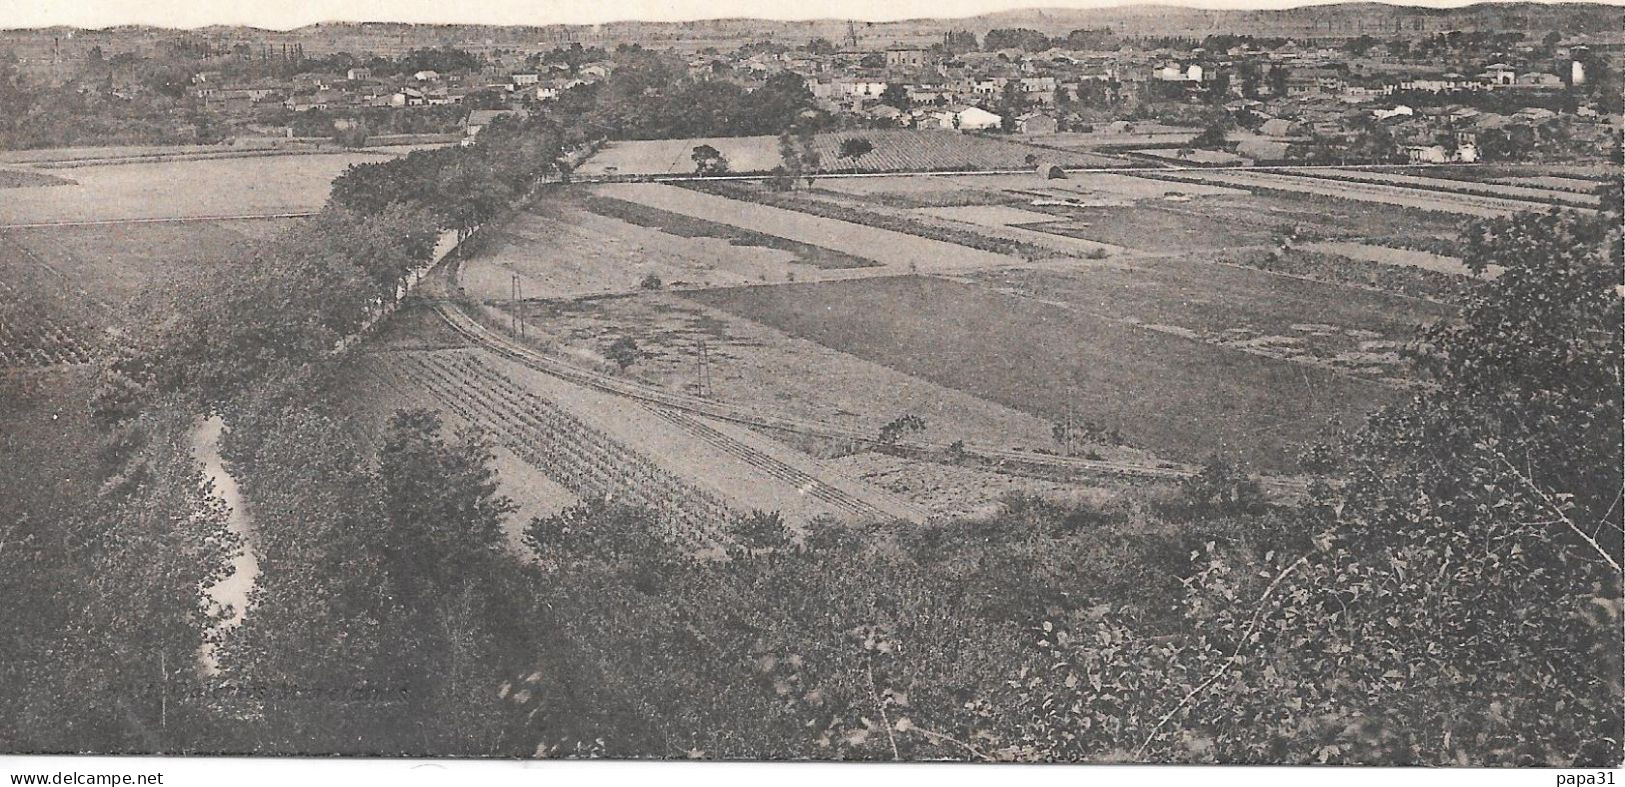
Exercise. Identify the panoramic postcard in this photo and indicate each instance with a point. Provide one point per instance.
(1132, 384)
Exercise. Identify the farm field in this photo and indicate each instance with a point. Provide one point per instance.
(1152, 228)
(1142, 134)
(1095, 185)
(44, 318)
(1553, 182)
(694, 473)
(210, 188)
(1308, 322)
(894, 250)
(20, 178)
(1571, 174)
(953, 491)
(1484, 188)
(1107, 211)
(112, 263)
(894, 151)
(49, 448)
(1386, 194)
(560, 248)
(1173, 396)
(1390, 256)
(61, 287)
(770, 371)
(690, 227)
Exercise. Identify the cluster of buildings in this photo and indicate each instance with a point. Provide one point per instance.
(1281, 95)
(360, 87)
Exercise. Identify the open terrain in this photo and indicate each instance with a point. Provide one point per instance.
(209, 188)
(894, 151)
(1174, 396)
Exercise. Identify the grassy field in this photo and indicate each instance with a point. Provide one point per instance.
(60, 287)
(109, 264)
(894, 151)
(768, 370)
(184, 189)
(896, 250)
(1529, 192)
(690, 227)
(20, 178)
(1372, 193)
(1309, 322)
(1177, 397)
(561, 249)
(1151, 228)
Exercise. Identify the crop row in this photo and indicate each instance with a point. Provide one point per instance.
(885, 221)
(583, 459)
(1364, 274)
(1470, 188)
(31, 337)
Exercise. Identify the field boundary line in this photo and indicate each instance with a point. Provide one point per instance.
(155, 220)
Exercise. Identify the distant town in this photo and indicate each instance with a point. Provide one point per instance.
(1222, 99)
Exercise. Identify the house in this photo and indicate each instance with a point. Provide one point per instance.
(426, 76)
(1498, 75)
(860, 89)
(886, 112)
(479, 119)
(906, 57)
(1537, 79)
(1278, 127)
(1036, 123)
(407, 97)
(358, 74)
(1534, 115)
(968, 119)
(1427, 154)
(1173, 72)
(524, 79)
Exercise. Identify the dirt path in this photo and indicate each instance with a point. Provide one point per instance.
(234, 590)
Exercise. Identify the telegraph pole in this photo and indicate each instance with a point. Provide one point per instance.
(703, 368)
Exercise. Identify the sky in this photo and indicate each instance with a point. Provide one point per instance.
(284, 14)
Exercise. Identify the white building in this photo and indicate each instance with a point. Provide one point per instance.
(968, 119)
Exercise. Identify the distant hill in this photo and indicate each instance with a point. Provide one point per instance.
(1326, 22)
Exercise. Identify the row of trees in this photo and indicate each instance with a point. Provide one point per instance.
(646, 98)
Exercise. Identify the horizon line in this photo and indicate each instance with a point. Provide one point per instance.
(1219, 6)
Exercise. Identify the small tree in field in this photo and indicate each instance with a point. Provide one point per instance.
(854, 148)
(708, 160)
(623, 352)
(900, 426)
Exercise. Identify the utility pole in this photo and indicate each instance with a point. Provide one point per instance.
(513, 304)
(702, 362)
